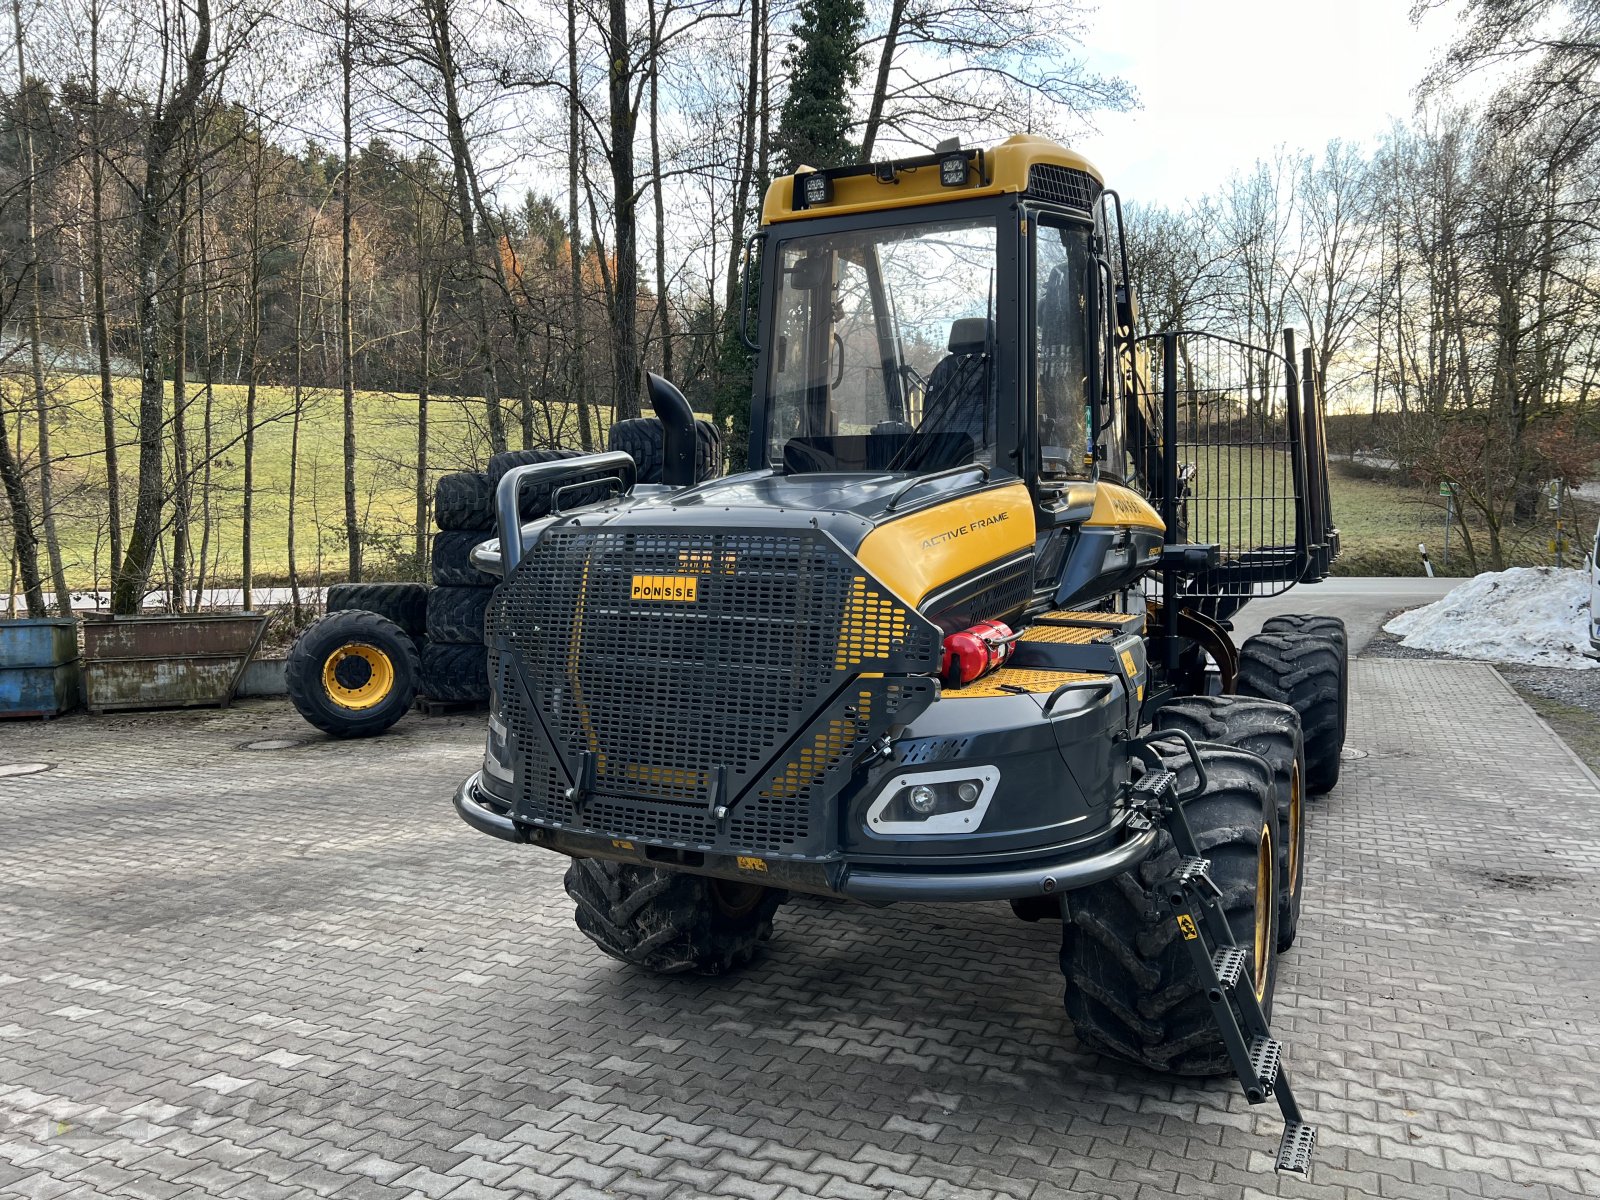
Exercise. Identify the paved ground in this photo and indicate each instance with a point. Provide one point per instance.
(1362, 602)
(292, 972)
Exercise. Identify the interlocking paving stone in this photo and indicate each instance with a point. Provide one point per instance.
(294, 973)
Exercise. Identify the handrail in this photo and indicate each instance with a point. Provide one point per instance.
(508, 493)
(947, 472)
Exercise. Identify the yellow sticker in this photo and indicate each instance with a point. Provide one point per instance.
(620, 845)
(751, 864)
(1186, 927)
(702, 562)
(674, 588)
(1128, 664)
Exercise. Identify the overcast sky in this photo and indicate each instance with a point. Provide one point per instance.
(1223, 82)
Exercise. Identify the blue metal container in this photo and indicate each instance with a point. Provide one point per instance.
(38, 667)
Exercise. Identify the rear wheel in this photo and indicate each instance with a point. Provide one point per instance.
(1306, 671)
(668, 921)
(1333, 629)
(352, 673)
(1271, 730)
(1132, 990)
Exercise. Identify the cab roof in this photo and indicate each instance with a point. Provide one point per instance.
(1022, 163)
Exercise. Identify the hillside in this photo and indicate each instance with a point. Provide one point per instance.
(1380, 521)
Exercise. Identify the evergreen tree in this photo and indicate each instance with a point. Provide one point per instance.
(824, 63)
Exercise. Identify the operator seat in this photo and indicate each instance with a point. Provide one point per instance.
(957, 399)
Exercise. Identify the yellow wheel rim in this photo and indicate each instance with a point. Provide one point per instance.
(358, 676)
(1266, 905)
(1295, 816)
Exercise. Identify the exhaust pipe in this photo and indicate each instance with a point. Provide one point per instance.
(677, 431)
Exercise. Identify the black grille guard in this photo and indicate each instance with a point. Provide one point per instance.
(699, 687)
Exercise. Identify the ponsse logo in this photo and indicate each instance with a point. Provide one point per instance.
(672, 588)
(973, 526)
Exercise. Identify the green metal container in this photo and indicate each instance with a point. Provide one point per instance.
(167, 662)
(38, 667)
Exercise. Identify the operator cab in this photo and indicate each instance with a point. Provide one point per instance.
(890, 294)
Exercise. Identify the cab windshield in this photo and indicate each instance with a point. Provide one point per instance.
(882, 356)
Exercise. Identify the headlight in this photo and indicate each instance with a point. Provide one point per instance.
(952, 801)
(497, 751)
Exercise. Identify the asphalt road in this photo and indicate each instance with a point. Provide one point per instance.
(1362, 602)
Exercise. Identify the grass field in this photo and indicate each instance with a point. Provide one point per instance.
(386, 435)
(1381, 523)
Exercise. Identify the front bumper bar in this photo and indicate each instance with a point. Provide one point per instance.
(1062, 873)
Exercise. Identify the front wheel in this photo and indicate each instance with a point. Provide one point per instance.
(1271, 730)
(1132, 990)
(670, 922)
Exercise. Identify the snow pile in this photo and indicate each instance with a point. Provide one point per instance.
(1538, 616)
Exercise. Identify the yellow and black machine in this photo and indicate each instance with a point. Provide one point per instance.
(962, 630)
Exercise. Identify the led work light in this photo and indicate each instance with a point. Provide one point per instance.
(815, 188)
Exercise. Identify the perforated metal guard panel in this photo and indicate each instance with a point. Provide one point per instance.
(1015, 681)
(1065, 635)
(779, 814)
(754, 681)
(1063, 185)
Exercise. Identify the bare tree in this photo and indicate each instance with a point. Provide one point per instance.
(983, 66)
(24, 542)
(347, 354)
(32, 270)
(171, 115)
(575, 365)
(1330, 289)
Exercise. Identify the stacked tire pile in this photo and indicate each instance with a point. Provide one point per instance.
(454, 663)
(357, 671)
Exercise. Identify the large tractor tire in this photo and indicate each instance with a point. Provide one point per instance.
(464, 500)
(455, 674)
(1271, 730)
(406, 604)
(644, 441)
(352, 673)
(1132, 991)
(1306, 671)
(667, 921)
(455, 615)
(1331, 628)
(452, 559)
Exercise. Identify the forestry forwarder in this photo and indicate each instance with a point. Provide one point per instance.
(962, 632)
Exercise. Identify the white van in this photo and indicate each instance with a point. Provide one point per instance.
(1594, 593)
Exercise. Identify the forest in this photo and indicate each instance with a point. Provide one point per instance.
(265, 272)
